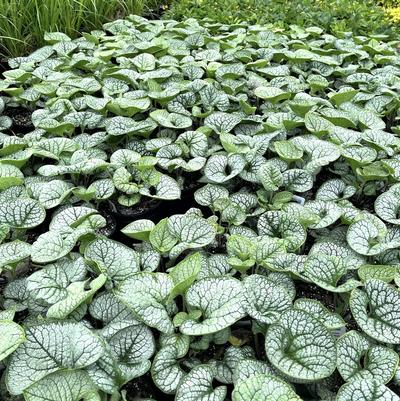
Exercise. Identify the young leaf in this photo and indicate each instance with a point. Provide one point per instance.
(248, 368)
(54, 245)
(209, 194)
(327, 211)
(277, 224)
(166, 188)
(233, 355)
(184, 274)
(171, 120)
(222, 122)
(76, 295)
(53, 193)
(49, 285)
(327, 271)
(161, 238)
(333, 190)
(331, 320)
(366, 237)
(144, 62)
(222, 168)
(13, 252)
(241, 251)
(387, 206)
(192, 232)
(10, 176)
(297, 180)
(130, 342)
(139, 229)
(384, 273)
(270, 177)
(271, 93)
(288, 151)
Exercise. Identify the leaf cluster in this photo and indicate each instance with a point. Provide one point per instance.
(283, 278)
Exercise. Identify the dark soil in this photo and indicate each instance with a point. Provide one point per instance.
(220, 244)
(151, 209)
(3, 66)
(333, 383)
(309, 290)
(143, 387)
(351, 323)
(21, 118)
(364, 202)
(32, 236)
(154, 13)
(146, 209)
(111, 226)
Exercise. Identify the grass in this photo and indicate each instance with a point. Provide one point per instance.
(24, 22)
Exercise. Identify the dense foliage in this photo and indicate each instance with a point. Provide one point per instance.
(394, 14)
(280, 279)
(334, 16)
(389, 3)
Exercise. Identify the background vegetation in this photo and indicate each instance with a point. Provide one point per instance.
(24, 22)
(389, 3)
(334, 16)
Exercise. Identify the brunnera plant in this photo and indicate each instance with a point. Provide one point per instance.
(276, 277)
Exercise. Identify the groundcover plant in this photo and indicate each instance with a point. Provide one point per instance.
(201, 213)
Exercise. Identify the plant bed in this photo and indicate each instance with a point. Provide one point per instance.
(201, 211)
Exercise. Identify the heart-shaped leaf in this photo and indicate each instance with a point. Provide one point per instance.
(197, 386)
(70, 385)
(22, 213)
(265, 300)
(12, 335)
(300, 347)
(13, 252)
(114, 259)
(328, 272)
(221, 302)
(139, 229)
(151, 299)
(366, 390)
(375, 309)
(380, 362)
(277, 224)
(165, 370)
(222, 168)
(43, 344)
(263, 387)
